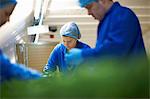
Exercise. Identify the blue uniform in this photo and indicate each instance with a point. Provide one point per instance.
(10, 71)
(57, 57)
(118, 34)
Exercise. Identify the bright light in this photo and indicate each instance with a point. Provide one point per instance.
(63, 4)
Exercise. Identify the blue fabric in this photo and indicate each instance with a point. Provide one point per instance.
(74, 57)
(118, 34)
(10, 71)
(4, 3)
(57, 57)
(84, 3)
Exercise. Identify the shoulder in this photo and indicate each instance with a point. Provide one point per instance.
(124, 13)
(82, 45)
(123, 16)
(59, 47)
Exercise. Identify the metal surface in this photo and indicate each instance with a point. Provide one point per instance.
(34, 55)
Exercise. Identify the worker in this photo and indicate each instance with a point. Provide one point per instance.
(6, 8)
(8, 70)
(119, 33)
(70, 36)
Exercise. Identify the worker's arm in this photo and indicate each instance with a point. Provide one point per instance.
(119, 40)
(123, 32)
(52, 61)
(10, 71)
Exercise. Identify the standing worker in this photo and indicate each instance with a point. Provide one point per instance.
(118, 34)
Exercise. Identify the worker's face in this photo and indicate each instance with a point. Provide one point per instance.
(69, 42)
(96, 9)
(5, 14)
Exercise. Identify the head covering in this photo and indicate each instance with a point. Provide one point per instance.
(84, 3)
(4, 3)
(70, 29)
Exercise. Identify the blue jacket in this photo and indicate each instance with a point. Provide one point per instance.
(10, 71)
(57, 57)
(118, 34)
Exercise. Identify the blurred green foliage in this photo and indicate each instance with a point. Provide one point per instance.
(93, 79)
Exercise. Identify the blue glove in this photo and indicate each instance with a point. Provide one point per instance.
(23, 73)
(74, 57)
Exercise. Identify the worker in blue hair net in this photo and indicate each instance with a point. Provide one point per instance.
(70, 36)
(119, 33)
(8, 70)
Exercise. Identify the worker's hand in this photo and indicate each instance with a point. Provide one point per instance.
(74, 57)
(24, 73)
(48, 73)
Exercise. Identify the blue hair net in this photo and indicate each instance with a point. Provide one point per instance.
(70, 29)
(84, 3)
(4, 3)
